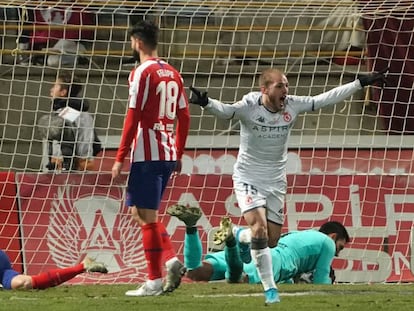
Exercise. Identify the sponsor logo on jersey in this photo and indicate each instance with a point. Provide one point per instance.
(260, 119)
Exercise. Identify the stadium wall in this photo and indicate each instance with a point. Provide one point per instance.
(74, 215)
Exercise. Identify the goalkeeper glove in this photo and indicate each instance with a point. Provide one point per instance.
(372, 78)
(199, 98)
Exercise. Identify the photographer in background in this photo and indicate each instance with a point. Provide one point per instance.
(69, 129)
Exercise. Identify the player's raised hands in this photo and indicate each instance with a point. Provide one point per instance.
(374, 78)
(198, 97)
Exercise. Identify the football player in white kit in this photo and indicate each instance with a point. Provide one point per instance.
(259, 177)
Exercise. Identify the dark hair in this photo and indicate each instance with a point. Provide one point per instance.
(70, 82)
(147, 31)
(335, 227)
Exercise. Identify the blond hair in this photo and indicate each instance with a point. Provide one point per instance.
(268, 76)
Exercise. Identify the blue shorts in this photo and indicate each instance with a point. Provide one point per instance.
(6, 271)
(147, 182)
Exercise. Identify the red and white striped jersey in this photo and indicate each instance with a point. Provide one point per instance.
(156, 99)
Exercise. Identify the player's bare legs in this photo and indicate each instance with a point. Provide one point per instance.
(257, 222)
(21, 281)
(273, 232)
(143, 216)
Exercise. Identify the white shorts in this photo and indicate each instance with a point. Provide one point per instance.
(273, 199)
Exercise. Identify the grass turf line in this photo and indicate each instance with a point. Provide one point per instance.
(213, 296)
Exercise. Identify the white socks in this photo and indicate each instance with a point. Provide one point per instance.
(263, 260)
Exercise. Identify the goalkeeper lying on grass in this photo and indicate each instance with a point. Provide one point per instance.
(11, 279)
(297, 252)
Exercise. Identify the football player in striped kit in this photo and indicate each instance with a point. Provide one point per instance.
(156, 99)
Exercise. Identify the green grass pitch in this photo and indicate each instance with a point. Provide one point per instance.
(214, 297)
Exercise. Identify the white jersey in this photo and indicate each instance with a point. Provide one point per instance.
(264, 135)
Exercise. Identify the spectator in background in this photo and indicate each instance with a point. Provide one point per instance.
(69, 129)
(65, 40)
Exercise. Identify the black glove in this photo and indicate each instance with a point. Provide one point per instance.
(374, 78)
(199, 98)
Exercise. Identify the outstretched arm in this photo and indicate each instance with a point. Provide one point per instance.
(213, 106)
(340, 93)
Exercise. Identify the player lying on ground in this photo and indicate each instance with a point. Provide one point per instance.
(11, 279)
(297, 252)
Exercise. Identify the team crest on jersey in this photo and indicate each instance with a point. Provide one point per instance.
(96, 226)
(249, 200)
(287, 117)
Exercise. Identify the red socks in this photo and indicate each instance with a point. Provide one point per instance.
(168, 250)
(157, 244)
(55, 277)
(152, 242)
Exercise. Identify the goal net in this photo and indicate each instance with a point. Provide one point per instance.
(351, 162)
